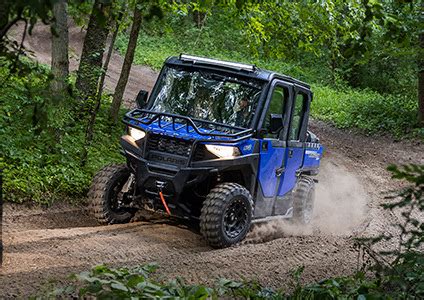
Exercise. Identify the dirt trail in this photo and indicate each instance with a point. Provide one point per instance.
(38, 46)
(44, 245)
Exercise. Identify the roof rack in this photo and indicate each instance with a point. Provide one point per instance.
(223, 63)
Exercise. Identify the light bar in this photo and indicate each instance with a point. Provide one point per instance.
(209, 61)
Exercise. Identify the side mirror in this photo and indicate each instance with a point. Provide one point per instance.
(141, 98)
(275, 123)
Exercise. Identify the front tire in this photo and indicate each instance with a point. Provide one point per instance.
(226, 215)
(106, 197)
(303, 200)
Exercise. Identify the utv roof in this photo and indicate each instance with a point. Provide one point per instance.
(233, 67)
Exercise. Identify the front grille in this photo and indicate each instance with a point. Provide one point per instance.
(168, 145)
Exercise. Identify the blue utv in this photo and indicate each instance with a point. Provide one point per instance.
(220, 143)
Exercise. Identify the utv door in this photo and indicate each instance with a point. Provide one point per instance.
(273, 147)
(295, 143)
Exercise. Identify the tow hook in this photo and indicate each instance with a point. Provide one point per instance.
(160, 185)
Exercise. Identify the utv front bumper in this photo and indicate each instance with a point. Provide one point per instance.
(172, 180)
(149, 174)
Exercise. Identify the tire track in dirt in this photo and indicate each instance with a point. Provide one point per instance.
(34, 256)
(41, 245)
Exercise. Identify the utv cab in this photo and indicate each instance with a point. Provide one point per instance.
(221, 143)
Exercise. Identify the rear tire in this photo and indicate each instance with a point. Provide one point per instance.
(105, 195)
(226, 215)
(303, 200)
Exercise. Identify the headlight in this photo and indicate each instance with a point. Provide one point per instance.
(136, 134)
(223, 151)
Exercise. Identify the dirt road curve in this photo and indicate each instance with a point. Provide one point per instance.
(38, 45)
(44, 245)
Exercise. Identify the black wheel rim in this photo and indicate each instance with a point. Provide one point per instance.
(235, 218)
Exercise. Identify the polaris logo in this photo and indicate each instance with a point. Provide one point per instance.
(166, 158)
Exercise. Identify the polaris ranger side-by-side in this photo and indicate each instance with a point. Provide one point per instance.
(221, 143)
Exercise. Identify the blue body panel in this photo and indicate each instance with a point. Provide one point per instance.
(270, 160)
(293, 159)
(312, 157)
(181, 131)
(245, 146)
(292, 164)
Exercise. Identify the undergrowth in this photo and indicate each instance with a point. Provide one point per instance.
(141, 282)
(41, 142)
(334, 100)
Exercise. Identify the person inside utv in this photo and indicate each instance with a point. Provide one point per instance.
(242, 112)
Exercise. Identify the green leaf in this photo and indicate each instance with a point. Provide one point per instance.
(119, 286)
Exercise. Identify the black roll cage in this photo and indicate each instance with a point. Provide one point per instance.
(270, 80)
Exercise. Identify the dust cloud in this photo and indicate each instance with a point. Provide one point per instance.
(340, 205)
(274, 229)
(340, 201)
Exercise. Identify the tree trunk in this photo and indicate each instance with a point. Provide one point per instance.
(199, 18)
(60, 42)
(421, 81)
(6, 7)
(5, 24)
(126, 67)
(90, 66)
(89, 133)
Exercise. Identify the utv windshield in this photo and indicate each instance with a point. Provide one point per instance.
(208, 96)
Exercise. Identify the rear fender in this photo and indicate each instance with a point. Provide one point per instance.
(311, 159)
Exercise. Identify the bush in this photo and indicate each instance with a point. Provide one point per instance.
(335, 102)
(366, 110)
(103, 282)
(41, 142)
(123, 283)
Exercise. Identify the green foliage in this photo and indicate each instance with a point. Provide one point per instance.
(366, 110)
(136, 283)
(392, 110)
(103, 282)
(353, 37)
(220, 38)
(41, 143)
(140, 283)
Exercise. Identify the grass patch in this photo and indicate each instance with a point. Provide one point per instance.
(366, 110)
